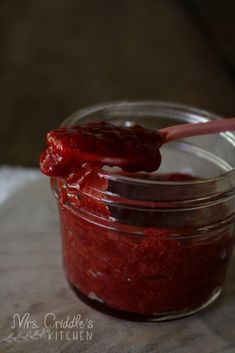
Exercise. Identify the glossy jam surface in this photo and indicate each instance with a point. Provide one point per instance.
(101, 143)
(131, 265)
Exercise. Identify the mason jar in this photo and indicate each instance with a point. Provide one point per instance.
(148, 246)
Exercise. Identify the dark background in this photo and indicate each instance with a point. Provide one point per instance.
(59, 56)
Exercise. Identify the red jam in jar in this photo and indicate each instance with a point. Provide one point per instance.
(137, 243)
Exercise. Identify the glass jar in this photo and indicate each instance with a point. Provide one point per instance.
(146, 249)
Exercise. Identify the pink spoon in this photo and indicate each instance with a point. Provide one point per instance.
(175, 132)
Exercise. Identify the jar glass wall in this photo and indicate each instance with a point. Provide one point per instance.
(146, 248)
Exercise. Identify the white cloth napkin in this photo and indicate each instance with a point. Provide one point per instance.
(12, 178)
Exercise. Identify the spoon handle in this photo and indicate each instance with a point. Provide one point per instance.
(186, 130)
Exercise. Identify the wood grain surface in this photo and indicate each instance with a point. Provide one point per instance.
(32, 281)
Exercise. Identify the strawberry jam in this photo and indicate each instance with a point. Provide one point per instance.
(128, 249)
(101, 143)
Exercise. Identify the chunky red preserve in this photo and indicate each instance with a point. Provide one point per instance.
(101, 143)
(133, 266)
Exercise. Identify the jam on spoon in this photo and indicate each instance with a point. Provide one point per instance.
(101, 143)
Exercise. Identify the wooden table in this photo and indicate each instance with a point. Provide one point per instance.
(32, 281)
